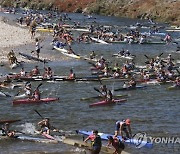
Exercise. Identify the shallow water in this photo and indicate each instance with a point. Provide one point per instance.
(153, 110)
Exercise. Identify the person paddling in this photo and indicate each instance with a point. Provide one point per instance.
(28, 90)
(37, 94)
(96, 142)
(45, 126)
(6, 131)
(123, 126)
(35, 71)
(72, 74)
(109, 96)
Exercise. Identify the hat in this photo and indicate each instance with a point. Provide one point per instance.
(128, 121)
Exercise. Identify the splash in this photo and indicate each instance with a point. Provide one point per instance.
(28, 128)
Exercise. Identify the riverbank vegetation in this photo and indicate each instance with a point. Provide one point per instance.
(158, 10)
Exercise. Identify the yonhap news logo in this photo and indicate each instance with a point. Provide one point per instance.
(141, 139)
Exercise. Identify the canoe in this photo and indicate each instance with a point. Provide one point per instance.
(104, 103)
(128, 141)
(130, 88)
(33, 101)
(99, 41)
(9, 121)
(96, 97)
(88, 146)
(30, 138)
(29, 57)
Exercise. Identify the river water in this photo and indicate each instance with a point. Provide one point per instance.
(153, 110)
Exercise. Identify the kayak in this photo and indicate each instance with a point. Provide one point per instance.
(88, 146)
(96, 97)
(126, 57)
(129, 88)
(14, 65)
(30, 138)
(4, 94)
(99, 41)
(173, 87)
(9, 121)
(65, 52)
(20, 96)
(103, 103)
(55, 78)
(34, 101)
(42, 29)
(128, 141)
(29, 57)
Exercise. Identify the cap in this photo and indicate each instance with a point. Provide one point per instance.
(128, 121)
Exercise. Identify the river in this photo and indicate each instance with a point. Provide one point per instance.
(153, 110)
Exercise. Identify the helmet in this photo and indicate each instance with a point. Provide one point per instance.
(128, 121)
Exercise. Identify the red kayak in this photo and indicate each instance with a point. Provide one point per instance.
(102, 103)
(8, 121)
(34, 101)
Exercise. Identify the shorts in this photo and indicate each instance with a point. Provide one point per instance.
(96, 149)
(117, 127)
(38, 50)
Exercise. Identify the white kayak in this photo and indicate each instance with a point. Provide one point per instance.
(125, 57)
(20, 96)
(98, 40)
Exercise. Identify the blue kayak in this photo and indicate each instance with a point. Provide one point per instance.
(128, 141)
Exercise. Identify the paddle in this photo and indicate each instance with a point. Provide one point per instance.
(39, 114)
(160, 54)
(146, 56)
(97, 90)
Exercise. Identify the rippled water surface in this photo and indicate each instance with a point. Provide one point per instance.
(153, 110)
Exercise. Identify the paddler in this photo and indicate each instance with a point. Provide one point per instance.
(36, 94)
(177, 82)
(103, 90)
(123, 126)
(28, 90)
(48, 72)
(92, 55)
(116, 143)
(22, 72)
(96, 142)
(132, 83)
(35, 71)
(109, 96)
(45, 126)
(6, 131)
(72, 74)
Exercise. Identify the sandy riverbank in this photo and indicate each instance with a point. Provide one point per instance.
(11, 37)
